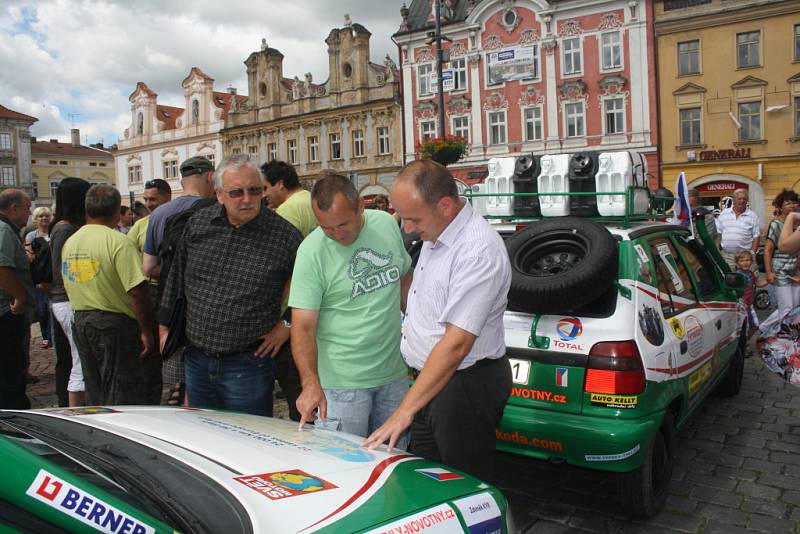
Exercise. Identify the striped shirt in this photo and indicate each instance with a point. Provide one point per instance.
(462, 279)
(783, 265)
(737, 233)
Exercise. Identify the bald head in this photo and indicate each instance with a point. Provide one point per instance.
(15, 204)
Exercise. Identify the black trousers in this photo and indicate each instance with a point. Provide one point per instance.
(458, 426)
(13, 333)
(288, 378)
(63, 362)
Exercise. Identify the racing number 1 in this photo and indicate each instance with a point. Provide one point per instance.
(520, 371)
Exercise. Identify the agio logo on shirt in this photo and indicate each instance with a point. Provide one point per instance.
(80, 269)
(371, 271)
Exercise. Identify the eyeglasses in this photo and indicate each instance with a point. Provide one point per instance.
(239, 193)
(156, 182)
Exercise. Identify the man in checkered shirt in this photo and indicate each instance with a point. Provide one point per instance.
(233, 268)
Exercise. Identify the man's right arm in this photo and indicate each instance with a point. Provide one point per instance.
(304, 351)
(150, 265)
(142, 308)
(11, 284)
(789, 241)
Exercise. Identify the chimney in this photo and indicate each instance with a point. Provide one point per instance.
(33, 139)
(54, 140)
(232, 90)
(76, 136)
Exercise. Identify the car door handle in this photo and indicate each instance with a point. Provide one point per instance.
(718, 324)
(684, 347)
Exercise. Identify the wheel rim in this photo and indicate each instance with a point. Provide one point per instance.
(552, 253)
(762, 300)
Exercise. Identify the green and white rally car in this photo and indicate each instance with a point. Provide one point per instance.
(143, 470)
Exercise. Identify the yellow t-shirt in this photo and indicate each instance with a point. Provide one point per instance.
(138, 232)
(297, 210)
(99, 266)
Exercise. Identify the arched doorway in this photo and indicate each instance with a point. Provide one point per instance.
(714, 187)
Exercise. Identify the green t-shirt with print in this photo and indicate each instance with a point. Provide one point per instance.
(297, 210)
(99, 266)
(356, 289)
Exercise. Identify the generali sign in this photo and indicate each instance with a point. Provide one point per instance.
(729, 153)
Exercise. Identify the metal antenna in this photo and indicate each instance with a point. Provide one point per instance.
(72, 118)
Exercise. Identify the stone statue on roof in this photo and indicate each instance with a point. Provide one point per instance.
(264, 44)
(347, 20)
(307, 83)
(297, 88)
(391, 68)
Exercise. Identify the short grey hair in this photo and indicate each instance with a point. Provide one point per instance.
(745, 192)
(11, 197)
(102, 201)
(236, 162)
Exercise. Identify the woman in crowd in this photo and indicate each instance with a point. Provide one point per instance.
(780, 266)
(41, 218)
(70, 215)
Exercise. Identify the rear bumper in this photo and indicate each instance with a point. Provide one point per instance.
(607, 444)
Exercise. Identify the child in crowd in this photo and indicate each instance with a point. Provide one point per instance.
(744, 261)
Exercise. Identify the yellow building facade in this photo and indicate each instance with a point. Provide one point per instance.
(729, 97)
(52, 161)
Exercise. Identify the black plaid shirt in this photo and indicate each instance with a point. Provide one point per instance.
(233, 278)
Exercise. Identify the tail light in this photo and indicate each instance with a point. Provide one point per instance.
(615, 368)
(521, 226)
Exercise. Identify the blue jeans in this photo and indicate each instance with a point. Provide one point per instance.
(362, 411)
(240, 381)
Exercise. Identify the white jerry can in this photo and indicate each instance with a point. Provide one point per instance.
(500, 181)
(554, 178)
(615, 173)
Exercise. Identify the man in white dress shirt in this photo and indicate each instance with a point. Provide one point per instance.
(737, 228)
(453, 326)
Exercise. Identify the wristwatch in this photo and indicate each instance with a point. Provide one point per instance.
(287, 324)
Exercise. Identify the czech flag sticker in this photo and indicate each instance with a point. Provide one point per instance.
(437, 473)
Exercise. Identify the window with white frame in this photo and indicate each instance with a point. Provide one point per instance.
(797, 42)
(383, 140)
(252, 151)
(459, 66)
(35, 187)
(427, 130)
(571, 56)
(5, 141)
(170, 168)
(272, 151)
(135, 174)
(614, 115)
(291, 151)
(8, 176)
(336, 145)
(236, 151)
(533, 123)
(424, 79)
(797, 116)
(689, 119)
(497, 127)
(358, 143)
(611, 46)
(748, 49)
(689, 57)
(313, 148)
(461, 127)
(209, 157)
(574, 119)
(53, 189)
(750, 119)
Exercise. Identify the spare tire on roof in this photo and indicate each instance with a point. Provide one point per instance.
(560, 264)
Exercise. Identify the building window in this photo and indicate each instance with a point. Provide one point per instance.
(747, 49)
(291, 150)
(573, 113)
(336, 146)
(689, 57)
(383, 140)
(797, 116)
(236, 151)
(102, 164)
(572, 55)
(797, 42)
(52, 162)
(427, 130)
(612, 50)
(5, 141)
(7, 176)
(461, 127)
(134, 174)
(750, 118)
(210, 157)
(424, 79)
(35, 187)
(690, 126)
(497, 128)
(614, 111)
(63, 163)
(358, 143)
(272, 151)
(53, 189)
(92, 164)
(252, 151)
(533, 124)
(459, 67)
(313, 149)
(170, 169)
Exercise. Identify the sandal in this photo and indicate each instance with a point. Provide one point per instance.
(45, 344)
(176, 393)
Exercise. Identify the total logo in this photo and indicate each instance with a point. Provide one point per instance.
(568, 329)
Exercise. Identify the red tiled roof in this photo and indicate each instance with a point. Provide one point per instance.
(66, 149)
(143, 87)
(6, 113)
(196, 70)
(168, 115)
(223, 101)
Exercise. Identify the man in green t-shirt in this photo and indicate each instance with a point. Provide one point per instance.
(107, 288)
(345, 299)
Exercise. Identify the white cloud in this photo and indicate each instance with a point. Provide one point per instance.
(84, 57)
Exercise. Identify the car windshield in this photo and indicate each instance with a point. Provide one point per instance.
(143, 477)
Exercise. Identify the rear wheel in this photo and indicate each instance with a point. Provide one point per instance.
(644, 491)
(732, 383)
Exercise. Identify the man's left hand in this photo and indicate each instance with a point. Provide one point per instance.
(273, 340)
(391, 430)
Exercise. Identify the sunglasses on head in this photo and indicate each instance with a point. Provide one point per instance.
(156, 182)
(239, 193)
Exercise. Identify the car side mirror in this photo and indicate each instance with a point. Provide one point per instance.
(737, 281)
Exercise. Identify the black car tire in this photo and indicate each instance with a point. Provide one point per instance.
(560, 264)
(762, 300)
(731, 383)
(644, 491)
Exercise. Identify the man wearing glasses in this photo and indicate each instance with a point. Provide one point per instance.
(233, 268)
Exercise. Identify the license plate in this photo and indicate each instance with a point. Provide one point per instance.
(520, 370)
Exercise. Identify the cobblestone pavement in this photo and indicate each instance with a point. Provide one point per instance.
(737, 470)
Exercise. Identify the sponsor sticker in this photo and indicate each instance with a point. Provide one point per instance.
(562, 377)
(440, 519)
(536, 394)
(611, 457)
(78, 504)
(480, 513)
(697, 378)
(569, 328)
(677, 327)
(84, 410)
(642, 254)
(615, 401)
(694, 334)
(666, 256)
(437, 473)
(283, 484)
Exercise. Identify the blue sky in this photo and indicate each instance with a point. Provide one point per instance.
(83, 58)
